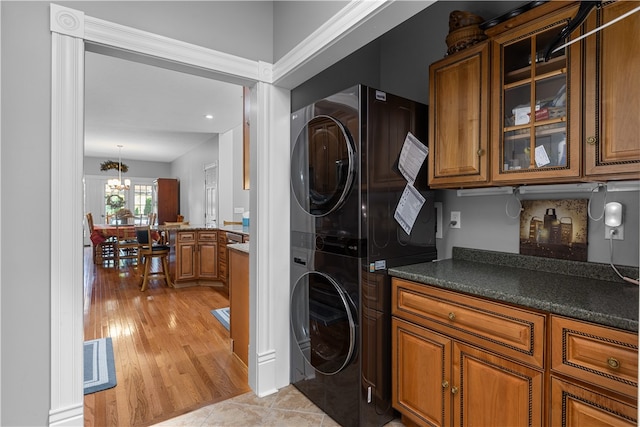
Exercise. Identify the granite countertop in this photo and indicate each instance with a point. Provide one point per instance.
(585, 291)
(241, 247)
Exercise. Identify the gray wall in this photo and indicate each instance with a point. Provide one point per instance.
(242, 28)
(137, 168)
(189, 168)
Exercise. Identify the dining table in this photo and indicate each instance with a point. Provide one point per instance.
(102, 232)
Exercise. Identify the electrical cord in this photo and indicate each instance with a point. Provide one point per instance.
(626, 279)
(514, 195)
(604, 203)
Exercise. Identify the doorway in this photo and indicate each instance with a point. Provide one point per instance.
(159, 119)
(269, 143)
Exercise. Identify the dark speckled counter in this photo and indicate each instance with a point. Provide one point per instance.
(585, 291)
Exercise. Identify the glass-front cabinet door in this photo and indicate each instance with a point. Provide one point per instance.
(536, 103)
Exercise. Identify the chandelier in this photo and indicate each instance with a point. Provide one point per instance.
(117, 183)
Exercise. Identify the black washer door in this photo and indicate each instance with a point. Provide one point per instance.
(322, 165)
(322, 322)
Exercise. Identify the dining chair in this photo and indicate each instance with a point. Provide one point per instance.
(149, 251)
(104, 248)
(127, 244)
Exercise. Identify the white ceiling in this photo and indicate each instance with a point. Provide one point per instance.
(154, 113)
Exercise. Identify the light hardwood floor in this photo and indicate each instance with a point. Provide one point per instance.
(172, 355)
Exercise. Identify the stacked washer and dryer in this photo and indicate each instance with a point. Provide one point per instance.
(345, 188)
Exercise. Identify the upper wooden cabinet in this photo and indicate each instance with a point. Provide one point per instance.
(459, 118)
(612, 93)
(535, 112)
(523, 119)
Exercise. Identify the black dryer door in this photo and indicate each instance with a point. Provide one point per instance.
(322, 165)
(322, 322)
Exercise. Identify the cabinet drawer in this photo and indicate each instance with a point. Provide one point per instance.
(187, 236)
(207, 236)
(511, 331)
(600, 355)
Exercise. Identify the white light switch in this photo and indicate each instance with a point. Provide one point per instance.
(238, 210)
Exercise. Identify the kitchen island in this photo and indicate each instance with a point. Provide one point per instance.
(198, 253)
(558, 339)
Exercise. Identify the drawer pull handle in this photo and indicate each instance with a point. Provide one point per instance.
(452, 316)
(445, 384)
(454, 390)
(591, 140)
(613, 363)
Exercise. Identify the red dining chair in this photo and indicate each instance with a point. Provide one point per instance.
(104, 248)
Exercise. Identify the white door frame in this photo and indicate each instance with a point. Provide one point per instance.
(72, 31)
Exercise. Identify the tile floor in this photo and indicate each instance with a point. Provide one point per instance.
(286, 408)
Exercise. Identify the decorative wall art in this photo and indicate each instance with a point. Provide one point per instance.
(554, 229)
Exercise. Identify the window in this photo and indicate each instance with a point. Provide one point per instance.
(142, 203)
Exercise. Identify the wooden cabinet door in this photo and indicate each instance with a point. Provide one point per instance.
(186, 261)
(208, 260)
(490, 390)
(612, 93)
(421, 371)
(536, 110)
(575, 406)
(223, 274)
(459, 118)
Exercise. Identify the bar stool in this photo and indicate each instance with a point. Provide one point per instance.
(149, 251)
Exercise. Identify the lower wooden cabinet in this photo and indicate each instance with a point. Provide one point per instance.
(595, 374)
(223, 270)
(576, 406)
(438, 380)
(207, 255)
(450, 369)
(185, 244)
(239, 303)
(196, 255)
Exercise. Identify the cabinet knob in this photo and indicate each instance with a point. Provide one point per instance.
(452, 316)
(454, 390)
(445, 384)
(613, 363)
(480, 152)
(591, 140)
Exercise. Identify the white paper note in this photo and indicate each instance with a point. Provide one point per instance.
(542, 159)
(408, 208)
(412, 157)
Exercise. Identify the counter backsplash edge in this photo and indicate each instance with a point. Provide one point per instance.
(590, 270)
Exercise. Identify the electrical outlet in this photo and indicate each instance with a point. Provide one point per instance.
(455, 219)
(617, 235)
(238, 210)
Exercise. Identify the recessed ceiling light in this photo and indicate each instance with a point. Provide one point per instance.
(208, 116)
